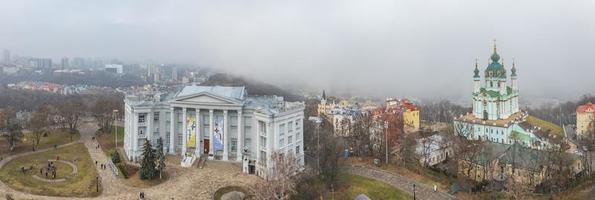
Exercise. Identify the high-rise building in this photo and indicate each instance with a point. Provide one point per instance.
(6, 58)
(42, 63)
(78, 62)
(65, 63)
(114, 68)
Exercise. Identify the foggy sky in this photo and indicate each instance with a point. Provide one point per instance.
(386, 48)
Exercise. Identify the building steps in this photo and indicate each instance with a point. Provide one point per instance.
(188, 160)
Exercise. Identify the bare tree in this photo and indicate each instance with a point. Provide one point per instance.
(70, 113)
(39, 125)
(103, 113)
(517, 189)
(329, 161)
(559, 171)
(12, 127)
(360, 135)
(282, 178)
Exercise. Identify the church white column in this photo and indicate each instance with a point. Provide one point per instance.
(135, 132)
(257, 139)
(184, 130)
(172, 125)
(197, 138)
(225, 134)
(270, 143)
(211, 128)
(149, 125)
(240, 139)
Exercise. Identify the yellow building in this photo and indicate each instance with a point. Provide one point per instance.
(585, 119)
(411, 120)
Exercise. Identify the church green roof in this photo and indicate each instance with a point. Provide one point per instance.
(495, 69)
(476, 72)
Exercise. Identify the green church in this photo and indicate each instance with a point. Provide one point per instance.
(496, 116)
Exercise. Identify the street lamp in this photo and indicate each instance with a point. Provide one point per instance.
(116, 128)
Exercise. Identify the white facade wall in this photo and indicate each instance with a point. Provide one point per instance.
(161, 126)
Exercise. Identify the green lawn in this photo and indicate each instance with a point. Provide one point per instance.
(108, 144)
(545, 125)
(82, 184)
(108, 141)
(55, 137)
(351, 186)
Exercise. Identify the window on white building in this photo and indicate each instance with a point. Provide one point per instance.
(156, 116)
(290, 127)
(290, 139)
(282, 142)
(141, 118)
(263, 142)
(234, 144)
(297, 149)
(281, 130)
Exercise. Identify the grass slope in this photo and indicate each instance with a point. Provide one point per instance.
(351, 186)
(55, 137)
(545, 125)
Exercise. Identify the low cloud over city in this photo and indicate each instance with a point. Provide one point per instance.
(413, 48)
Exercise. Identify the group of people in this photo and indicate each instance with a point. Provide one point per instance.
(101, 165)
(50, 170)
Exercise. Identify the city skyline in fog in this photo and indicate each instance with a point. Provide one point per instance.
(381, 48)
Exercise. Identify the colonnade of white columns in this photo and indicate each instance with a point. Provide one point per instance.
(211, 129)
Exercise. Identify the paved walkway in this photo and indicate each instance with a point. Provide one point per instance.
(184, 183)
(422, 191)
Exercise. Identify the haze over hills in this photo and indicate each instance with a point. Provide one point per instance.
(378, 48)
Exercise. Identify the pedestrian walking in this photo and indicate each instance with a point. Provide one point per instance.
(435, 188)
(95, 163)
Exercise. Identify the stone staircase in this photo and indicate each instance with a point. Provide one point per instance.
(188, 160)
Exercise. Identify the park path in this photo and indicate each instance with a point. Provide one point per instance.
(183, 183)
(422, 191)
(110, 183)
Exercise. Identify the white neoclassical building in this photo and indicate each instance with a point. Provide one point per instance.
(216, 122)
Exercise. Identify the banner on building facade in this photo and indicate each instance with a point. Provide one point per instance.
(218, 134)
(191, 131)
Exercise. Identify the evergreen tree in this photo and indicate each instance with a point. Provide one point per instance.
(115, 157)
(160, 157)
(147, 166)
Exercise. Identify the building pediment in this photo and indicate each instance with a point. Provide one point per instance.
(206, 98)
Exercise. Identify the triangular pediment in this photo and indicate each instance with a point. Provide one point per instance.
(207, 98)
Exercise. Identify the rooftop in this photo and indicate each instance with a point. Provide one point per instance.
(225, 91)
(588, 107)
(515, 117)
